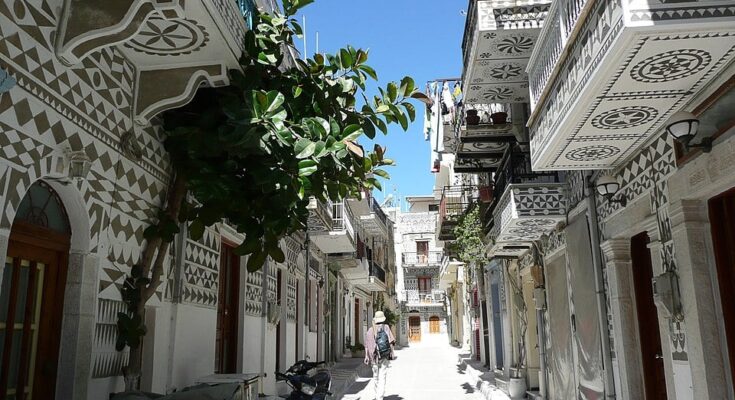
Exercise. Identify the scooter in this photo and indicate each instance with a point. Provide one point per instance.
(306, 385)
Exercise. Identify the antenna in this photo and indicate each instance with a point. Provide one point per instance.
(317, 42)
(306, 55)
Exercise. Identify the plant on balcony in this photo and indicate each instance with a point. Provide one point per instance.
(468, 245)
(256, 151)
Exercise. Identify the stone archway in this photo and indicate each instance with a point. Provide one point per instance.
(76, 320)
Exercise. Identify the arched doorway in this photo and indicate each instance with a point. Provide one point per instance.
(434, 324)
(32, 295)
(414, 328)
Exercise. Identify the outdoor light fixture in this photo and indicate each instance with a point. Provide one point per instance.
(79, 165)
(683, 127)
(607, 187)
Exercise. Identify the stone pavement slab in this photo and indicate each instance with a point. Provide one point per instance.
(429, 370)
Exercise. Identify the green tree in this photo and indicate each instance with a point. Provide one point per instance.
(254, 152)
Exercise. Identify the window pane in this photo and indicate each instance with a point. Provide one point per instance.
(5, 289)
(20, 304)
(15, 359)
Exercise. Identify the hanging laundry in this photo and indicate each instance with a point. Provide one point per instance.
(457, 90)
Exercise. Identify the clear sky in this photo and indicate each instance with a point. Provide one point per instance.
(418, 38)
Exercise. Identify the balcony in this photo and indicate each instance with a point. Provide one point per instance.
(368, 275)
(371, 216)
(604, 78)
(454, 203)
(421, 297)
(164, 49)
(431, 258)
(334, 232)
(498, 41)
(528, 205)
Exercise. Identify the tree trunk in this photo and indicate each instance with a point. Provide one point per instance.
(153, 269)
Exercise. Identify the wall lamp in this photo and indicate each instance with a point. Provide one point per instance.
(607, 186)
(683, 126)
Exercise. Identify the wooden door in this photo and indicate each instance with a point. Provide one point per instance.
(651, 356)
(358, 338)
(414, 329)
(227, 312)
(424, 287)
(32, 296)
(422, 252)
(722, 220)
(434, 325)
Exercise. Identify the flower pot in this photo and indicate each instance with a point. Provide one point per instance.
(517, 388)
(486, 194)
(471, 117)
(499, 118)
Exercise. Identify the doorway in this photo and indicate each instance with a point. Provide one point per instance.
(414, 329)
(422, 251)
(225, 359)
(434, 326)
(357, 321)
(654, 378)
(721, 216)
(33, 283)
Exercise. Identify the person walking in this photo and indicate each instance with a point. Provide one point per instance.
(379, 351)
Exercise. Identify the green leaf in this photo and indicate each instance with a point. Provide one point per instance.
(381, 173)
(196, 229)
(362, 56)
(304, 148)
(420, 96)
(277, 254)
(346, 58)
(256, 260)
(352, 132)
(382, 108)
(392, 91)
(368, 70)
(407, 86)
(411, 110)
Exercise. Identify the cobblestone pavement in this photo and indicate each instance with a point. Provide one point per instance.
(425, 371)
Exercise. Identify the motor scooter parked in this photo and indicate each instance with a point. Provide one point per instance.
(307, 382)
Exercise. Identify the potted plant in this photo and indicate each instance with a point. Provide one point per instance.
(471, 117)
(358, 350)
(499, 118)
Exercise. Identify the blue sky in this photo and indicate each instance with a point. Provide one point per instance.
(418, 38)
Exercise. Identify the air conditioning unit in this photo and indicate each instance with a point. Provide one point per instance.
(274, 313)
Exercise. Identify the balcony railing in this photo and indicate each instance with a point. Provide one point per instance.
(454, 203)
(515, 168)
(419, 259)
(377, 271)
(424, 296)
(375, 208)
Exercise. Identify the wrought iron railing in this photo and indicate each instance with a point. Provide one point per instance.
(375, 208)
(377, 271)
(424, 296)
(428, 258)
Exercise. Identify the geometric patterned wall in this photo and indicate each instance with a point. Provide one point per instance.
(106, 361)
(201, 270)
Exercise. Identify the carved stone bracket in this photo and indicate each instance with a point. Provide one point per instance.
(164, 89)
(88, 25)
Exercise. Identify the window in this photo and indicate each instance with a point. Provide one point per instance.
(422, 251)
(433, 207)
(247, 8)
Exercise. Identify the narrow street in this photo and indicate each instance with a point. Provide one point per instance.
(428, 370)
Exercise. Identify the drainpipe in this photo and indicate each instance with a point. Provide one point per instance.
(540, 324)
(263, 319)
(599, 286)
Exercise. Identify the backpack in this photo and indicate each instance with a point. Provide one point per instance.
(382, 348)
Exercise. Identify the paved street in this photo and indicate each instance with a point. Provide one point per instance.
(429, 370)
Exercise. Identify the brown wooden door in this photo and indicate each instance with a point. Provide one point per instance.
(434, 325)
(32, 296)
(651, 356)
(414, 329)
(722, 221)
(358, 338)
(227, 312)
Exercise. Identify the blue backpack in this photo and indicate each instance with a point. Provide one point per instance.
(382, 348)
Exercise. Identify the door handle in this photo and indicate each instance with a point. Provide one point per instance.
(659, 357)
